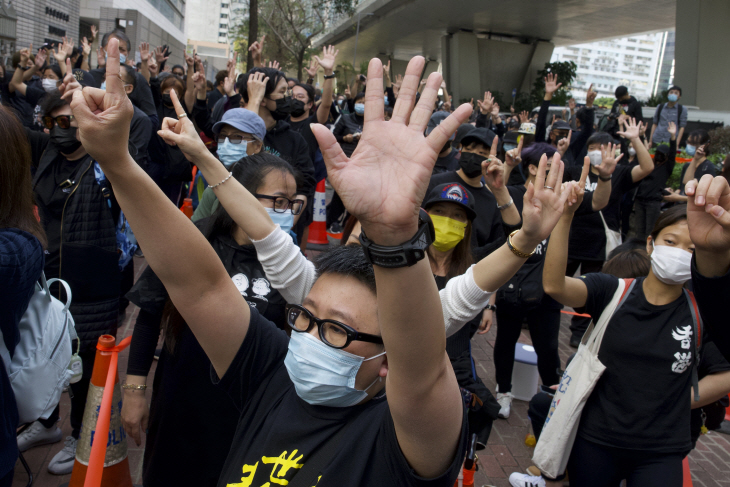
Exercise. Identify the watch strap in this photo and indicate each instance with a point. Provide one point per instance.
(405, 254)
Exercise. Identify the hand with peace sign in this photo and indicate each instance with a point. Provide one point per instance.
(564, 143)
(577, 189)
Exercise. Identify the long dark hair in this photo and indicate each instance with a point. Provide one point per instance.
(16, 191)
(251, 172)
(461, 258)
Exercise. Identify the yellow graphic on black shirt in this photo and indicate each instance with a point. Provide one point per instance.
(280, 467)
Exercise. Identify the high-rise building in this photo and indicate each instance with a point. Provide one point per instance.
(211, 31)
(45, 21)
(638, 62)
(8, 32)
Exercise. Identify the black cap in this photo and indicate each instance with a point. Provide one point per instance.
(463, 129)
(510, 136)
(481, 135)
(85, 78)
(561, 125)
(435, 120)
(453, 193)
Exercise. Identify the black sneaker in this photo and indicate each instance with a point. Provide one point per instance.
(574, 341)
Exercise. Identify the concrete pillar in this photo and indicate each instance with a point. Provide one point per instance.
(702, 63)
(464, 79)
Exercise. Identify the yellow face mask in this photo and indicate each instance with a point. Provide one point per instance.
(449, 232)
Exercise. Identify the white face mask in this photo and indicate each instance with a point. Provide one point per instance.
(671, 265)
(49, 85)
(632, 151)
(595, 157)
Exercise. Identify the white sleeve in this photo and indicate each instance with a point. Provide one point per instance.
(462, 300)
(286, 268)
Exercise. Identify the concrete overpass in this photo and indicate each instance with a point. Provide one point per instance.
(500, 45)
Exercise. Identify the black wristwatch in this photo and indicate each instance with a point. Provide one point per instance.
(605, 179)
(330, 76)
(492, 307)
(405, 254)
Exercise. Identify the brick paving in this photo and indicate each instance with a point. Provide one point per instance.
(506, 450)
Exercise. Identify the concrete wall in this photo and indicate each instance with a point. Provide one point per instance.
(36, 26)
(702, 63)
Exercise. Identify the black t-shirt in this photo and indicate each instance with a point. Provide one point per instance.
(448, 163)
(487, 227)
(278, 432)
(305, 130)
(51, 198)
(652, 186)
(711, 362)
(705, 167)
(642, 401)
(587, 234)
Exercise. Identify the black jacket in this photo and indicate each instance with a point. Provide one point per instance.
(348, 124)
(89, 260)
(631, 107)
(282, 141)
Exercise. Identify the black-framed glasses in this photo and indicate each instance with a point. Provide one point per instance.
(333, 333)
(63, 121)
(235, 139)
(282, 203)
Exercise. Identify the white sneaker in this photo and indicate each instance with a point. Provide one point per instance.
(37, 434)
(505, 403)
(63, 462)
(518, 479)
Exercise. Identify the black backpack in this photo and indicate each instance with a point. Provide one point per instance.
(659, 114)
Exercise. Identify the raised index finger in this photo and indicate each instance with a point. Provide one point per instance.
(114, 83)
(493, 149)
(179, 111)
(584, 172)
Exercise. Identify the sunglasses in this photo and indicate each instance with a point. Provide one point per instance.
(333, 333)
(63, 121)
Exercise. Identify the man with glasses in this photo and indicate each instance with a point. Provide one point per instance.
(79, 214)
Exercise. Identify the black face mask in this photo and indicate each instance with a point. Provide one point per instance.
(167, 100)
(284, 108)
(297, 108)
(65, 139)
(471, 164)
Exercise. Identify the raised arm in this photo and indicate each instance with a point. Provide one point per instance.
(565, 290)
(632, 131)
(329, 57)
(189, 83)
(200, 288)
(493, 172)
(605, 171)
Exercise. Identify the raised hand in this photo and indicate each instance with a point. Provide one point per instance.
(672, 129)
(94, 32)
(495, 110)
(274, 64)
(492, 168)
(104, 116)
(40, 58)
(564, 143)
(524, 116)
(189, 60)
(256, 87)
(229, 86)
(60, 52)
(386, 71)
(328, 59)
(256, 49)
(513, 157)
(182, 133)
(25, 55)
(591, 96)
(312, 69)
(384, 182)
(485, 106)
(161, 55)
(199, 81)
(153, 66)
(348, 95)
(577, 189)
(551, 83)
(708, 217)
(632, 130)
(544, 200)
(68, 46)
(69, 84)
(608, 160)
(144, 51)
(100, 57)
(86, 47)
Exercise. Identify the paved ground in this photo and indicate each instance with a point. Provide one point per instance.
(506, 452)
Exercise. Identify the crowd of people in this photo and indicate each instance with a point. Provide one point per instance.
(356, 369)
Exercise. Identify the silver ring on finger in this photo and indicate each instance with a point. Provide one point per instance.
(549, 187)
(182, 116)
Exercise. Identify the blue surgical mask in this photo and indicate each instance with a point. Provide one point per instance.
(385, 100)
(323, 375)
(672, 98)
(284, 220)
(690, 150)
(230, 153)
(122, 58)
(509, 147)
(103, 85)
(360, 108)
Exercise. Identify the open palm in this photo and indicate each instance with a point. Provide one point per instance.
(385, 180)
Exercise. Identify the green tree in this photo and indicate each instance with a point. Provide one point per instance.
(605, 101)
(656, 100)
(566, 72)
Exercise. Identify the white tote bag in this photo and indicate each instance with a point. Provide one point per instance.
(613, 238)
(580, 377)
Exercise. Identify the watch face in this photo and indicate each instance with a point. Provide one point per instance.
(424, 217)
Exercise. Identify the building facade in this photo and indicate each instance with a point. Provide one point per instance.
(638, 62)
(46, 21)
(8, 32)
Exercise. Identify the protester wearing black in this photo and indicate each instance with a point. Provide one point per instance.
(711, 294)
(625, 104)
(649, 196)
(349, 127)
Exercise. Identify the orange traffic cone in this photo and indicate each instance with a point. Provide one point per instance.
(686, 476)
(187, 206)
(469, 476)
(318, 227)
(116, 465)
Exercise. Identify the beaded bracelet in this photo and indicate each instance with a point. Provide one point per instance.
(136, 387)
(226, 179)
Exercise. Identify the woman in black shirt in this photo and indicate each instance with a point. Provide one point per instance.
(636, 422)
(184, 398)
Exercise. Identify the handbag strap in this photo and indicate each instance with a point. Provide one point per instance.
(595, 337)
(308, 475)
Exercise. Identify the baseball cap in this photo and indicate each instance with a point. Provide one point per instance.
(453, 193)
(480, 135)
(463, 129)
(561, 125)
(527, 128)
(243, 120)
(85, 78)
(436, 119)
(510, 137)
